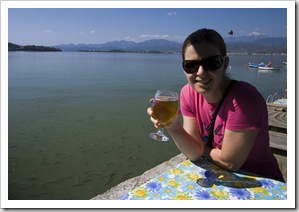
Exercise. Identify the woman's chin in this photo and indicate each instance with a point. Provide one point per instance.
(202, 87)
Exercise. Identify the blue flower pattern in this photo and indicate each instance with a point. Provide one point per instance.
(203, 195)
(240, 193)
(213, 183)
(154, 186)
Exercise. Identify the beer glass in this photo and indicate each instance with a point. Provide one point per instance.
(165, 107)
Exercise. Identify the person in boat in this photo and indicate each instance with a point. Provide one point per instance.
(239, 138)
(269, 64)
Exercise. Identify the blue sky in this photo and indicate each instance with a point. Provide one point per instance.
(44, 26)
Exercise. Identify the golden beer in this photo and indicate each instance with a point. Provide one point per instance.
(165, 108)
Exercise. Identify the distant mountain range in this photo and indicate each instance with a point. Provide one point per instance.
(259, 44)
(15, 47)
(245, 44)
(157, 45)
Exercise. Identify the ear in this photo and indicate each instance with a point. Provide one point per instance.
(226, 62)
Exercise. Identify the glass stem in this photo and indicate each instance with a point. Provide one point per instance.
(161, 131)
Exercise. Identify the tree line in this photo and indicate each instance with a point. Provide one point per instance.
(15, 47)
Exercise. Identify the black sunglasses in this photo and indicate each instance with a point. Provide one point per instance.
(209, 64)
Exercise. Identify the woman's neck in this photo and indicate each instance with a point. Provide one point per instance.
(216, 95)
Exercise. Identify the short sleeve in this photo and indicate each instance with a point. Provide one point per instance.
(248, 110)
(187, 101)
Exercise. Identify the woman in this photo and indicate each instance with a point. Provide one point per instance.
(239, 139)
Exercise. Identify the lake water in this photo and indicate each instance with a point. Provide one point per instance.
(78, 123)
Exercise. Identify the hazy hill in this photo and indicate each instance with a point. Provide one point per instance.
(263, 45)
(149, 45)
(15, 47)
(245, 44)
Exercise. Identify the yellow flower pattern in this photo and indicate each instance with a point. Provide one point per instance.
(140, 192)
(160, 178)
(261, 190)
(193, 176)
(173, 183)
(204, 180)
(177, 171)
(182, 196)
(219, 194)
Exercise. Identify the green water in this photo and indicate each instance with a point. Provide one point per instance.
(78, 123)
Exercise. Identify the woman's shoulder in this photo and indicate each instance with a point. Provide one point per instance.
(188, 94)
(246, 92)
(245, 85)
(187, 90)
(242, 86)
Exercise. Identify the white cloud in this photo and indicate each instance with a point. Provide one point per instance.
(171, 13)
(254, 34)
(129, 38)
(144, 37)
(48, 30)
(92, 31)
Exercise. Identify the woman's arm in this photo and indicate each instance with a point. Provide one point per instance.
(235, 149)
(187, 138)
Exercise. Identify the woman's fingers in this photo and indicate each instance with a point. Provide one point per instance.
(150, 111)
(153, 120)
(156, 123)
(159, 125)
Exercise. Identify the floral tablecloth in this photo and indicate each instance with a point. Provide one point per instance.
(206, 181)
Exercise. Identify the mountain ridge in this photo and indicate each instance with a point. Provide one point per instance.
(15, 47)
(245, 44)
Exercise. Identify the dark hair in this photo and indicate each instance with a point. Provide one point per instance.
(204, 36)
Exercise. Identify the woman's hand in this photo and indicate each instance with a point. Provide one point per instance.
(156, 122)
(186, 138)
(151, 113)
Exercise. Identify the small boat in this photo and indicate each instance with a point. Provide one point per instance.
(256, 65)
(268, 68)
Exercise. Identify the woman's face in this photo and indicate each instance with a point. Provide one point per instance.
(208, 83)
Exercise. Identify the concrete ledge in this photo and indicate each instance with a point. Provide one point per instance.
(126, 186)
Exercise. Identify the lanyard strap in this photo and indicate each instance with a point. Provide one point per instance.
(211, 133)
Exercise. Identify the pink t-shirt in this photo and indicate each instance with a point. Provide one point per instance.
(243, 108)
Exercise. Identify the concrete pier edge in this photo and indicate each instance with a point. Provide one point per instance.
(126, 186)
